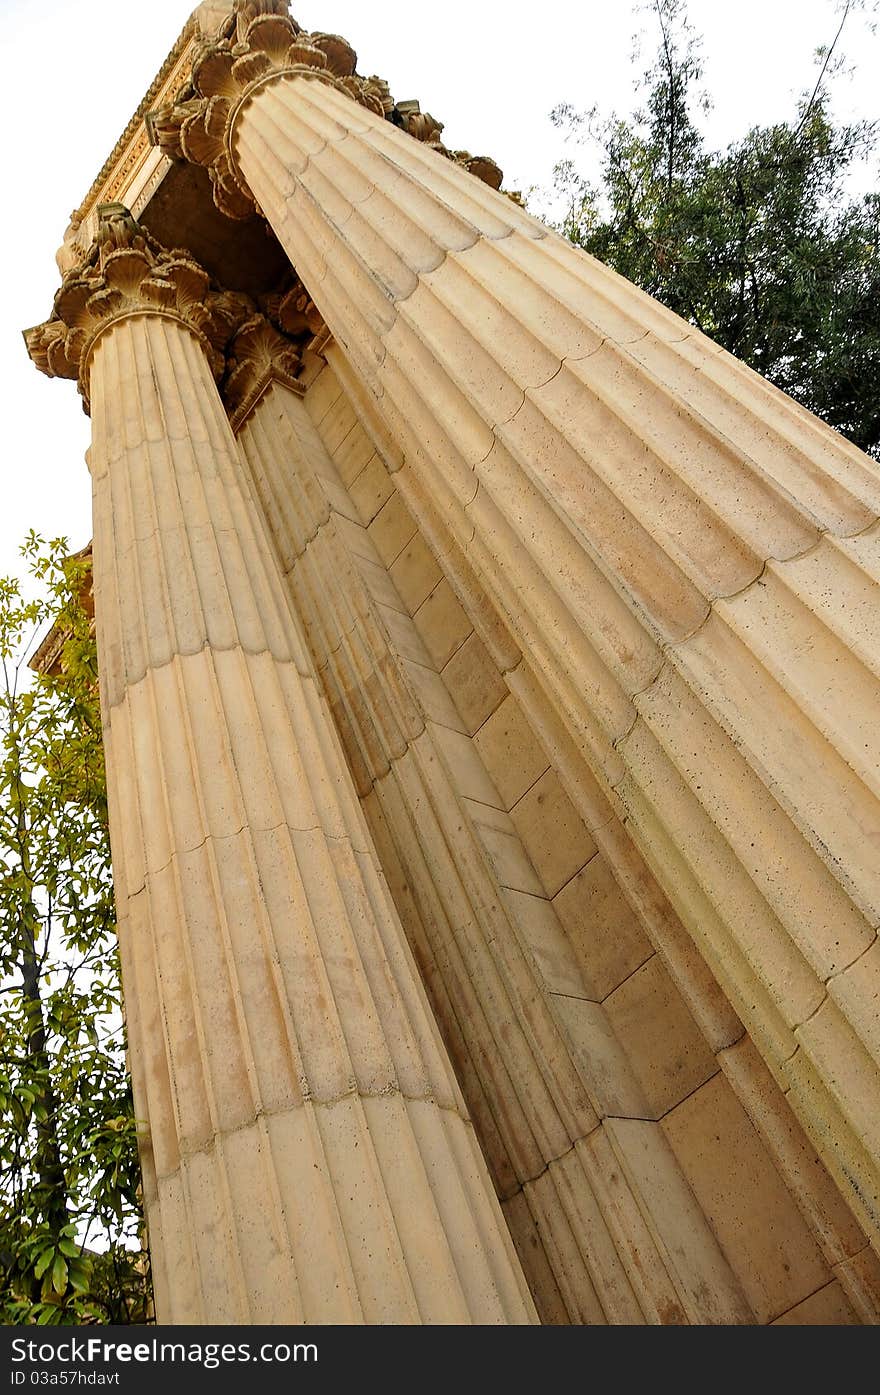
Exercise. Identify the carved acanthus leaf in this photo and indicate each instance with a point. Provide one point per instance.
(265, 41)
(127, 272)
(341, 57)
(258, 355)
(248, 10)
(420, 124)
(293, 312)
(482, 166)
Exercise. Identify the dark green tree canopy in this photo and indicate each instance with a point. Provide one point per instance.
(760, 245)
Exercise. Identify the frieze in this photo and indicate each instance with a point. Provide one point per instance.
(133, 145)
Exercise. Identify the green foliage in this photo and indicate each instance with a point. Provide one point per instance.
(69, 1207)
(759, 246)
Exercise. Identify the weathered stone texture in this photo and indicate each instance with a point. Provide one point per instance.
(490, 715)
(312, 1157)
(671, 541)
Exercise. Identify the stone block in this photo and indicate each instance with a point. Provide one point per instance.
(709, 1289)
(467, 772)
(601, 1061)
(380, 584)
(322, 396)
(432, 695)
(442, 623)
(415, 573)
(553, 833)
(809, 1182)
(665, 1048)
(860, 1277)
(475, 683)
(338, 423)
(545, 941)
(504, 849)
(403, 635)
(511, 751)
(372, 488)
(828, 1307)
(353, 454)
(392, 528)
(758, 1225)
(604, 931)
(340, 501)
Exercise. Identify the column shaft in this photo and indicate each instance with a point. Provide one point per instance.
(687, 559)
(311, 1159)
(497, 963)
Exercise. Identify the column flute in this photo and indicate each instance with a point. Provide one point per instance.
(687, 558)
(307, 1156)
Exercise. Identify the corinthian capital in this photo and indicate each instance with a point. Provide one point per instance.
(247, 10)
(127, 272)
(263, 43)
(257, 356)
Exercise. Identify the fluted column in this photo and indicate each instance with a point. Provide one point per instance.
(688, 559)
(539, 1100)
(311, 1159)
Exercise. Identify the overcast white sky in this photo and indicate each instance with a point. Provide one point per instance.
(75, 70)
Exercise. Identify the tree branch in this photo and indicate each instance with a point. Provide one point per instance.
(816, 89)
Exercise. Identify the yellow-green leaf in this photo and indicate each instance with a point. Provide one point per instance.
(59, 1274)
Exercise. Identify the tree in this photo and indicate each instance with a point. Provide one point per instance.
(70, 1216)
(759, 246)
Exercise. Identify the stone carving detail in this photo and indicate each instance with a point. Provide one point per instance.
(247, 10)
(293, 311)
(485, 168)
(426, 128)
(113, 174)
(127, 272)
(258, 354)
(268, 347)
(265, 42)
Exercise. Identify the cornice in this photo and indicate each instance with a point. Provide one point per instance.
(133, 142)
(48, 658)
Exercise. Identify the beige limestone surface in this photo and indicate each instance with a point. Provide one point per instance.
(628, 496)
(310, 1157)
(512, 679)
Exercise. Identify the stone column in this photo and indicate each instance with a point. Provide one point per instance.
(687, 558)
(540, 1069)
(308, 1156)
